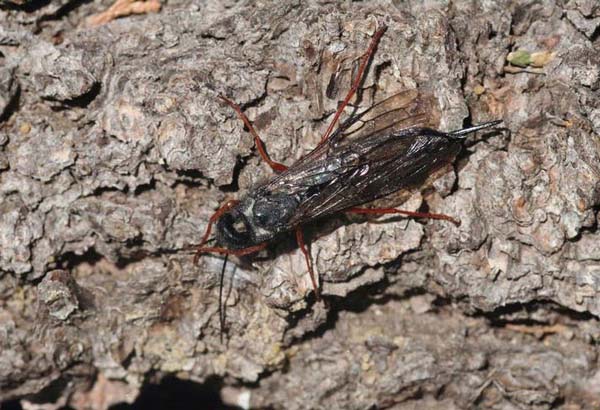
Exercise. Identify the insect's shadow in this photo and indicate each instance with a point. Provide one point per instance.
(356, 301)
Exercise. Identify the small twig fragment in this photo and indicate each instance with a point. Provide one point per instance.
(122, 8)
(541, 331)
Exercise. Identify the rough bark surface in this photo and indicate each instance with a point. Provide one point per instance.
(114, 152)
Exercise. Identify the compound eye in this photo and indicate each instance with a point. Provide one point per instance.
(234, 231)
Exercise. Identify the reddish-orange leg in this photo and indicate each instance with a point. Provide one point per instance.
(375, 211)
(363, 65)
(304, 249)
(276, 166)
(382, 211)
(225, 251)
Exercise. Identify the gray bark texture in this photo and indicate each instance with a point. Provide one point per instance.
(115, 152)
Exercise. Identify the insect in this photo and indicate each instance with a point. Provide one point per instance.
(369, 156)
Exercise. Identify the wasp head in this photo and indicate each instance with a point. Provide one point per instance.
(254, 220)
(234, 231)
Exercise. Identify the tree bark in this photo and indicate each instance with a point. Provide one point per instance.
(115, 151)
